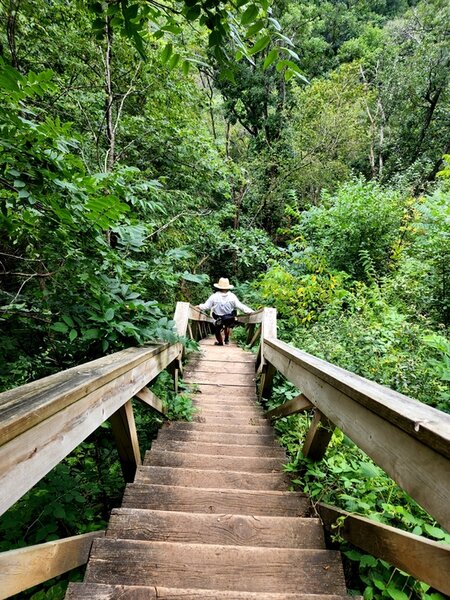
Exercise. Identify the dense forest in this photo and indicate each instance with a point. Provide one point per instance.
(302, 150)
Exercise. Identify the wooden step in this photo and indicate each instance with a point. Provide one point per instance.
(217, 437)
(226, 410)
(99, 591)
(207, 566)
(216, 501)
(248, 464)
(213, 479)
(204, 365)
(236, 530)
(235, 422)
(228, 404)
(219, 449)
(223, 392)
(223, 428)
(220, 378)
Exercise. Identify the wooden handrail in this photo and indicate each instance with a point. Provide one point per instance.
(43, 421)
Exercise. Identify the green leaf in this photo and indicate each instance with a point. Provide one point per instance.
(109, 314)
(166, 53)
(435, 532)
(91, 334)
(270, 58)
(67, 319)
(250, 14)
(200, 278)
(255, 28)
(395, 593)
(60, 327)
(73, 334)
(275, 23)
(186, 67)
(260, 45)
(193, 13)
(174, 60)
(368, 561)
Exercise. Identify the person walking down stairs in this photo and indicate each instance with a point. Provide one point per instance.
(224, 305)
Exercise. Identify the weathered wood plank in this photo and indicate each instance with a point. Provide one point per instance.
(424, 559)
(236, 530)
(29, 456)
(419, 420)
(223, 428)
(26, 567)
(417, 467)
(203, 365)
(99, 591)
(292, 407)
(247, 464)
(218, 437)
(219, 449)
(210, 566)
(251, 318)
(318, 437)
(125, 435)
(27, 405)
(217, 501)
(221, 378)
(197, 315)
(181, 317)
(152, 400)
(228, 480)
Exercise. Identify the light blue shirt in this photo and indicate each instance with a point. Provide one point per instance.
(223, 303)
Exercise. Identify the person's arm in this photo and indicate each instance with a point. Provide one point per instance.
(208, 304)
(242, 307)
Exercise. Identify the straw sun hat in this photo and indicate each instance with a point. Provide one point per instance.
(223, 284)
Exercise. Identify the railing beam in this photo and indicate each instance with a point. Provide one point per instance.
(292, 407)
(26, 567)
(424, 559)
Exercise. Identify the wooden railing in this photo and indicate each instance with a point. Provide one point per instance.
(43, 421)
(409, 440)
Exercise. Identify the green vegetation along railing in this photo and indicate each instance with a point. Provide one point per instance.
(409, 440)
(42, 422)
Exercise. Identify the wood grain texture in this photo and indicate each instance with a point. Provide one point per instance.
(292, 407)
(26, 567)
(248, 428)
(215, 567)
(218, 449)
(27, 405)
(422, 558)
(98, 591)
(416, 466)
(217, 501)
(25, 459)
(125, 435)
(247, 464)
(152, 400)
(227, 529)
(213, 478)
(218, 437)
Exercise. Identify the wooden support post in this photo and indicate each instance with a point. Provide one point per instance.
(124, 430)
(266, 382)
(189, 328)
(292, 407)
(256, 336)
(318, 436)
(250, 333)
(149, 398)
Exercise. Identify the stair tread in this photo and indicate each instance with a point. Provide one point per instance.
(226, 529)
(212, 500)
(214, 448)
(99, 591)
(248, 464)
(208, 566)
(262, 439)
(224, 428)
(211, 478)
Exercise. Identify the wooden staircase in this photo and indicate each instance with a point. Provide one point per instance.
(209, 514)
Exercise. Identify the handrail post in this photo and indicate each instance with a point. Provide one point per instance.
(268, 330)
(125, 434)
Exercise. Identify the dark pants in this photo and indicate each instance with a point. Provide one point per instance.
(218, 331)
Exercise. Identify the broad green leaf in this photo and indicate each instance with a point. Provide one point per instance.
(275, 23)
(67, 319)
(91, 334)
(186, 66)
(260, 45)
(250, 14)
(435, 532)
(60, 327)
(200, 278)
(193, 13)
(270, 58)
(255, 28)
(395, 593)
(109, 314)
(173, 61)
(166, 53)
(73, 334)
